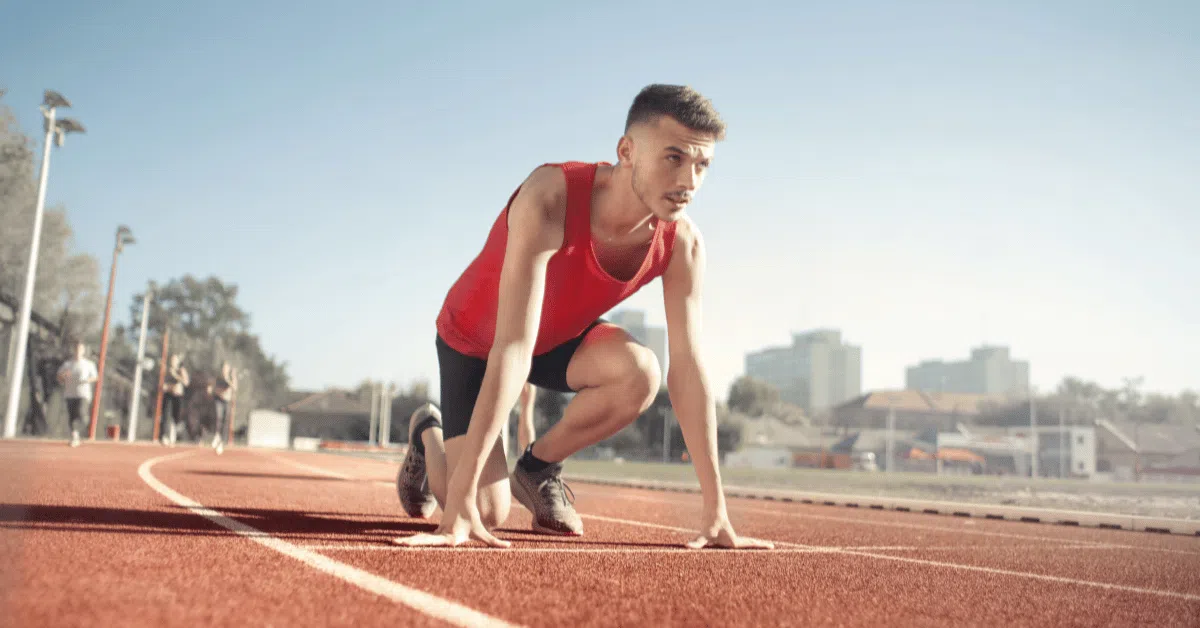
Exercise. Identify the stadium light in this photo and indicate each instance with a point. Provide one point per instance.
(56, 132)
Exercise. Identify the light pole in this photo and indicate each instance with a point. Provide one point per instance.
(124, 236)
(56, 132)
(136, 396)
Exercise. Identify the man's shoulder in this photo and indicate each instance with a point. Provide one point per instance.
(547, 185)
(687, 236)
(541, 200)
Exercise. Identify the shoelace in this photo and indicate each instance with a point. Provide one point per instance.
(563, 489)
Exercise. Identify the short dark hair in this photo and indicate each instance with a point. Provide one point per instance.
(679, 102)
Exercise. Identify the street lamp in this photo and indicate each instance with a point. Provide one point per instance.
(124, 236)
(56, 131)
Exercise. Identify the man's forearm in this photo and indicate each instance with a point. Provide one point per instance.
(502, 381)
(694, 405)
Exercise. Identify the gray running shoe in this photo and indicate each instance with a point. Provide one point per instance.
(412, 483)
(546, 496)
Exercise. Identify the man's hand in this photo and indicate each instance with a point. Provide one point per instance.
(718, 532)
(459, 525)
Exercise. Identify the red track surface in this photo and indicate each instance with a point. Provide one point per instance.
(88, 540)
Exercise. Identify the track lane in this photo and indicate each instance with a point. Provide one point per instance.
(998, 542)
(87, 543)
(631, 570)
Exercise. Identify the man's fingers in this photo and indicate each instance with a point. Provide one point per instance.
(487, 537)
(749, 543)
(424, 540)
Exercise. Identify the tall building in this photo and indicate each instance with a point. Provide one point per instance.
(655, 338)
(989, 371)
(818, 371)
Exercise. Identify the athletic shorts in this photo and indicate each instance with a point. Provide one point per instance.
(462, 378)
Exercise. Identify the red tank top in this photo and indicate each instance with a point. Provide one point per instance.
(578, 290)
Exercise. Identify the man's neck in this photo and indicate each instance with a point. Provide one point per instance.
(616, 211)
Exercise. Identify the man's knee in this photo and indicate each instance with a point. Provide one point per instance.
(494, 506)
(641, 382)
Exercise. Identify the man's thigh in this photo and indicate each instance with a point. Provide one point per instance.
(581, 362)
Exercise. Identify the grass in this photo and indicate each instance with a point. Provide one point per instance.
(1152, 499)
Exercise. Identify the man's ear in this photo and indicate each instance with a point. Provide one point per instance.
(625, 149)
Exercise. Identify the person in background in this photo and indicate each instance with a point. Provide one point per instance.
(77, 376)
(175, 382)
(222, 393)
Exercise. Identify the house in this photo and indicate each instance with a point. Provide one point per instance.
(1129, 449)
(914, 410)
(332, 414)
(768, 441)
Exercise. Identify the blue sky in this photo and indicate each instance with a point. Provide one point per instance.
(925, 176)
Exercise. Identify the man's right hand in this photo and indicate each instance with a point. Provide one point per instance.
(460, 523)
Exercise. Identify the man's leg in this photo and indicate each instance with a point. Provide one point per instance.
(222, 410)
(525, 430)
(74, 416)
(615, 380)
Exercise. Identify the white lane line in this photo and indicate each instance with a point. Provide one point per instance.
(312, 469)
(934, 563)
(431, 605)
(897, 524)
(364, 547)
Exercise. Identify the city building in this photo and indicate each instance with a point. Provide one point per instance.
(655, 338)
(989, 371)
(817, 372)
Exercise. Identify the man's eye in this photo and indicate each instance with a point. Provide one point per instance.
(673, 158)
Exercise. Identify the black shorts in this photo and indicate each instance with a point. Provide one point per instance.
(462, 378)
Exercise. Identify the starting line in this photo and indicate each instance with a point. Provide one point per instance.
(1085, 519)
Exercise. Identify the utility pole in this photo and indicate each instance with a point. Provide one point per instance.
(135, 395)
(890, 446)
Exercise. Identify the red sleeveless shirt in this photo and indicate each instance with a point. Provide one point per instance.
(578, 290)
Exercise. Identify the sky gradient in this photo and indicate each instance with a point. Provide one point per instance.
(924, 176)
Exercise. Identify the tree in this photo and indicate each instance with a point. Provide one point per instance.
(752, 397)
(209, 328)
(67, 286)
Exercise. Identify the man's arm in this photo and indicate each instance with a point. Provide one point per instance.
(689, 388)
(93, 375)
(536, 222)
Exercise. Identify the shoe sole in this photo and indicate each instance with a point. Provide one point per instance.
(523, 498)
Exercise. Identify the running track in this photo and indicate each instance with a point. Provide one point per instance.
(139, 535)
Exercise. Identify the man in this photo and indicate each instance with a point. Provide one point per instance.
(574, 240)
(77, 376)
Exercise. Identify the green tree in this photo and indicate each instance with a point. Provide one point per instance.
(67, 285)
(209, 328)
(752, 397)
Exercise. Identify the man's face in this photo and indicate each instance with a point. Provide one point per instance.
(80, 350)
(669, 163)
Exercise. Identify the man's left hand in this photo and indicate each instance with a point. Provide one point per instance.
(718, 532)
